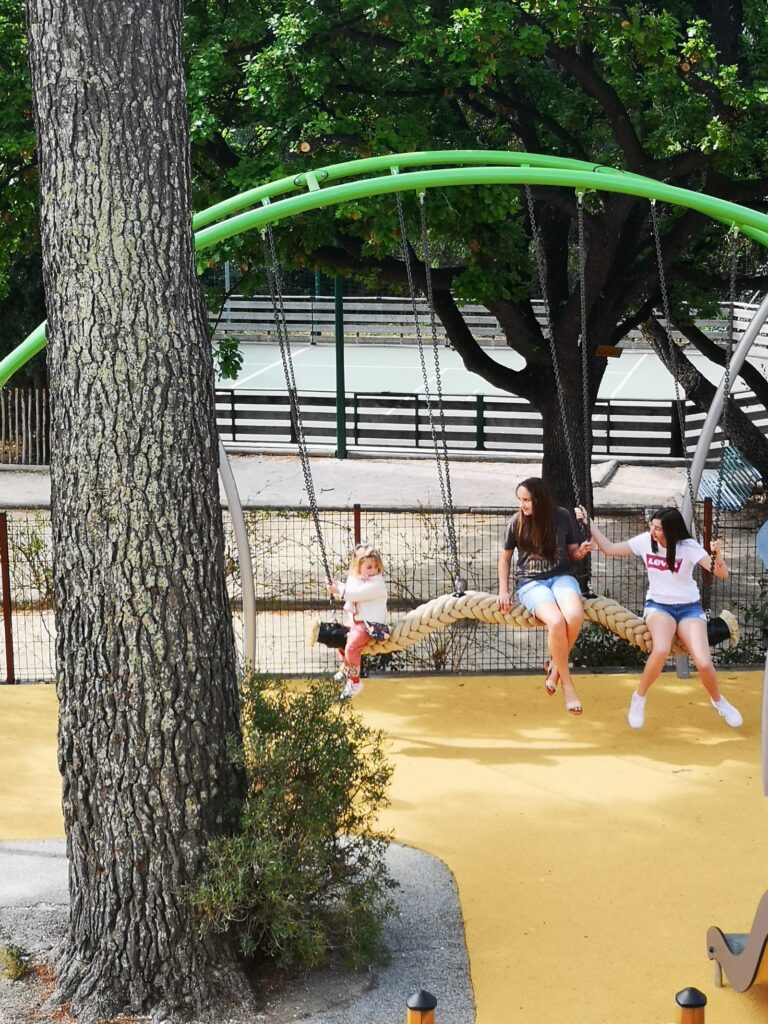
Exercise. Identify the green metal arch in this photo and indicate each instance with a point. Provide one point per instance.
(418, 172)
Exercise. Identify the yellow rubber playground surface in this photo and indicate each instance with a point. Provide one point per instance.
(590, 859)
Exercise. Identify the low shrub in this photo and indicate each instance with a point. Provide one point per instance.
(14, 962)
(599, 648)
(305, 876)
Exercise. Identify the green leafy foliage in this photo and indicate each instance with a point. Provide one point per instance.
(14, 962)
(751, 648)
(599, 648)
(304, 878)
(678, 93)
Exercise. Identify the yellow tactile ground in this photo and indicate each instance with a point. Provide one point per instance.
(590, 859)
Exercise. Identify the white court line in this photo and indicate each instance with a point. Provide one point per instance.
(239, 383)
(624, 379)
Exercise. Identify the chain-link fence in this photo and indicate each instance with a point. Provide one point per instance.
(290, 588)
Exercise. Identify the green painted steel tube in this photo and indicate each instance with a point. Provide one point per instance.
(372, 165)
(507, 169)
(418, 181)
(32, 344)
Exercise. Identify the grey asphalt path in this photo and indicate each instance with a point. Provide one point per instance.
(33, 872)
(425, 939)
(276, 479)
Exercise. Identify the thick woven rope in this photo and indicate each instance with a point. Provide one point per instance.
(475, 604)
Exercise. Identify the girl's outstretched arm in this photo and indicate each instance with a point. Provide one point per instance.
(614, 549)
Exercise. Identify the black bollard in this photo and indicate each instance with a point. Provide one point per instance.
(690, 1006)
(420, 1008)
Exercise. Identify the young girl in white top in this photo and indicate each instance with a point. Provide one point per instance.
(673, 604)
(365, 612)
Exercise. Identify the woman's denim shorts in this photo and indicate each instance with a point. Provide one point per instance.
(535, 593)
(679, 612)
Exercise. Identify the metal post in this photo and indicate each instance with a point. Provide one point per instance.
(690, 1006)
(5, 577)
(341, 402)
(480, 432)
(416, 420)
(243, 557)
(715, 410)
(677, 433)
(607, 428)
(356, 523)
(227, 288)
(420, 1008)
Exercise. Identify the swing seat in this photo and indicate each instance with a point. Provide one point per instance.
(442, 612)
(738, 481)
(722, 627)
(743, 956)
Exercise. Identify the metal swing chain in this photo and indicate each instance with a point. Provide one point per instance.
(733, 235)
(450, 521)
(583, 341)
(541, 271)
(276, 293)
(672, 348)
(443, 468)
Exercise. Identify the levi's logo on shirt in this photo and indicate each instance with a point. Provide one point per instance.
(657, 562)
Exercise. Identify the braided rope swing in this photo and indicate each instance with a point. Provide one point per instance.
(441, 612)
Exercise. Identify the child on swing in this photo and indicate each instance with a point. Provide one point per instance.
(673, 605)
(365, 612)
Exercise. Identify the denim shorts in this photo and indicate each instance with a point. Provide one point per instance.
(679, 612)
(538, 592)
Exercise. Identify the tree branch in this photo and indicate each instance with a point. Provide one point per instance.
(741, 430)
(615, 111)
(708, 91)
(751, 376)
(474, 357)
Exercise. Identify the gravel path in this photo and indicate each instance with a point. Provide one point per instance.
(426, 941)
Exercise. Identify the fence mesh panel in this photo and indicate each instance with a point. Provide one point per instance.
(31, 592)
(290, 588)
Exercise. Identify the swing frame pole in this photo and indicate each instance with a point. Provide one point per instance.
(341, 400)
(716, 408)
(481, 167)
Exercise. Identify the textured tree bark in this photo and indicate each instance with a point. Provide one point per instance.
(145, 651)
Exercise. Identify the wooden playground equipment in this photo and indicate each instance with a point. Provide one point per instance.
(742, 956)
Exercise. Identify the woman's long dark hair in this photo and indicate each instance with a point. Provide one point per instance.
(536, 532)
(675, 530)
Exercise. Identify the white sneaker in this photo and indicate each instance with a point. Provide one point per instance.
(351, 690)
(340, 676)
(727, 711)
(636, 714)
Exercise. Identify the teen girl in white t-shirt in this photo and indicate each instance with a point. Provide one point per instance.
(673, 603)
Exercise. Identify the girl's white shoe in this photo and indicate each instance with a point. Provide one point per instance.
(727, 711)
(636, 715)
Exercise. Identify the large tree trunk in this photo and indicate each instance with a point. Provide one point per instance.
(145, 651)
(568, 475)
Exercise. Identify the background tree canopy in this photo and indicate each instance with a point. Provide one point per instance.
(678, 93)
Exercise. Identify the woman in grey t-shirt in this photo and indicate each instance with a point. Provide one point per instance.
(547, 544)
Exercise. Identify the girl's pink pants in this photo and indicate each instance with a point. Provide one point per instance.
(356, 641)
